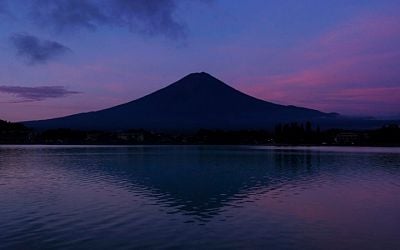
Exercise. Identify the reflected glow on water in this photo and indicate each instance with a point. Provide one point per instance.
(198, 196)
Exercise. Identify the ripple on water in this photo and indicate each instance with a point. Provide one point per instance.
(204, 197)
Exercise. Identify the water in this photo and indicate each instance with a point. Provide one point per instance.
(199, 197)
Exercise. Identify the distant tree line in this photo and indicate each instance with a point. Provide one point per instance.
(307, 134)
(14, 133)
(283, 134)
(297, 133)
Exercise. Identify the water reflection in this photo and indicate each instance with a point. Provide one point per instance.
(196, 181)
(144, 196)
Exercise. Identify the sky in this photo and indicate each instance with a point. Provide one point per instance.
(60, 57)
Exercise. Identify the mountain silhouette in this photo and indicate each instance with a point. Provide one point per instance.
(196, 101)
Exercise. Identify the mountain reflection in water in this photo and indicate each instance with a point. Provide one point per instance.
(198, 196)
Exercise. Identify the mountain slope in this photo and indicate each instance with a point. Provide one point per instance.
(196, 101)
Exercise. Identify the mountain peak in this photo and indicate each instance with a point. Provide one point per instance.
(199, 76)
(199, 80)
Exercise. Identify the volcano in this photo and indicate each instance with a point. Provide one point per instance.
(197, 101)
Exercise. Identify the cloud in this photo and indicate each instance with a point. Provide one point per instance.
(362, 51)
(152, 17)
(67, 14)
(32, 94)
(35, 50)
(350, 67)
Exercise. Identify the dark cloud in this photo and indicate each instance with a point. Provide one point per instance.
(35, 50)
(152, 17)
(31, 94)
(68, 14)
(144, 16)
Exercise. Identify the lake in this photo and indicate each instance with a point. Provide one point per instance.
(202, 197)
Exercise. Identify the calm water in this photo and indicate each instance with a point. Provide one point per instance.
(199, 197)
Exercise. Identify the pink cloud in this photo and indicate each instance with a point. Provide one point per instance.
(356, 63)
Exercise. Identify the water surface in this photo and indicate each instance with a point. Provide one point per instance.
(79, 197)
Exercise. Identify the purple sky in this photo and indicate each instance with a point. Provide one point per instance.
(60, 57)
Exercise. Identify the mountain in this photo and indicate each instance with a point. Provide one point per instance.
(196, 101)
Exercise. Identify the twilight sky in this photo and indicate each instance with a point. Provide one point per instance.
(59, 57)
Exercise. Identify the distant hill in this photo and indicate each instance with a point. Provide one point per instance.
(196, 101)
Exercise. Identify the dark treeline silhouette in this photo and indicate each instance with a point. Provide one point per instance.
(14, 133)
(306, 134)
(283, 134)
(297, 133)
